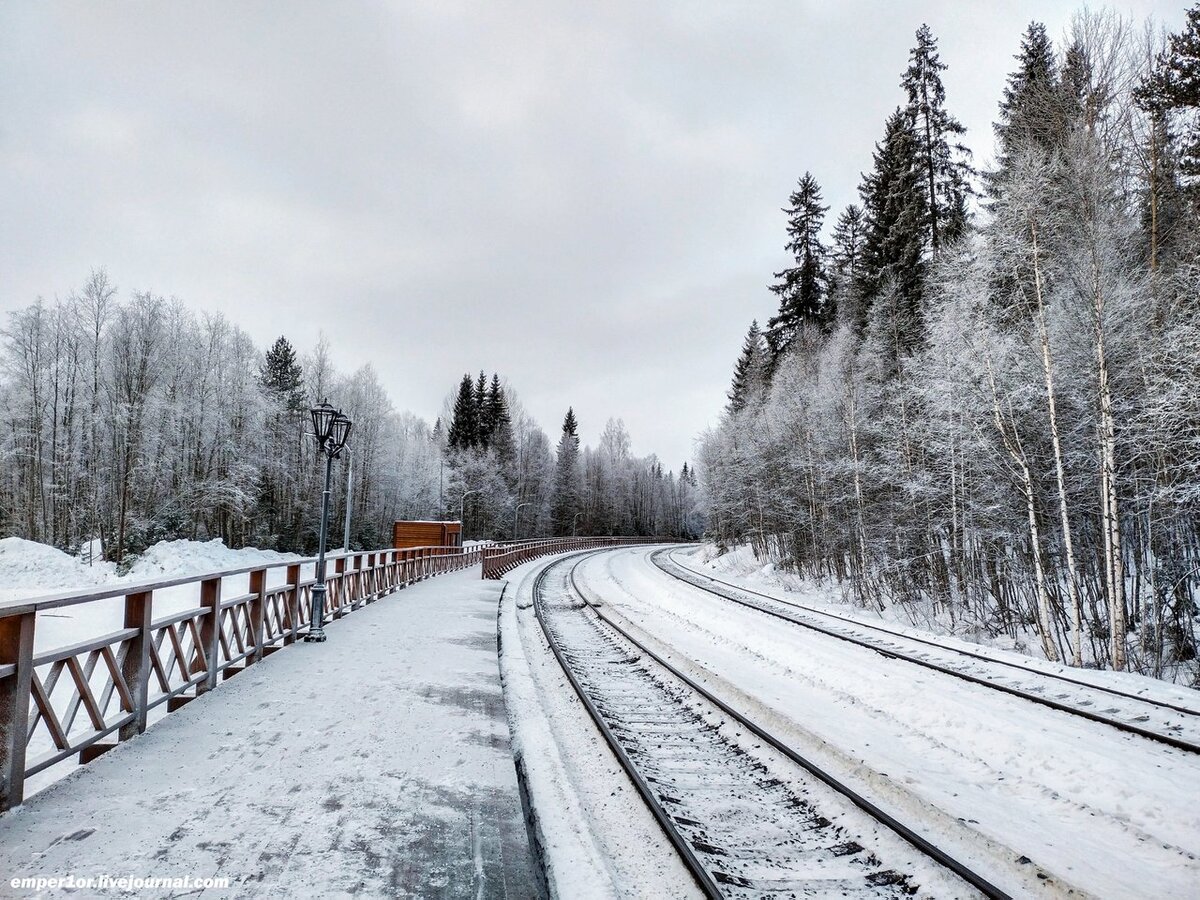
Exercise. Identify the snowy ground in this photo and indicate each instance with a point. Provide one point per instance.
(376, 764)
(1002, 779)
(413, 790)
(740, 568)
(741, 565)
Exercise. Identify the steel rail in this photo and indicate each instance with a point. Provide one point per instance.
(703, 880)
(695, 867)
(1169, 740)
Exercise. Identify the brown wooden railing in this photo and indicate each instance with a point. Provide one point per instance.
(84, 698)
(501, 558)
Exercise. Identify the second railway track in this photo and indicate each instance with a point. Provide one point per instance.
(1172, 724)
(741, 830)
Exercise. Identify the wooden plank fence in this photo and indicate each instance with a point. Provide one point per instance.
(81, 700)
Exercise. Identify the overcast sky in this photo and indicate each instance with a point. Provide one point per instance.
(584, 197)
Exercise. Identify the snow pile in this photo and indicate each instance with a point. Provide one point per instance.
(742, 562)
(181, 558)
(28, 569)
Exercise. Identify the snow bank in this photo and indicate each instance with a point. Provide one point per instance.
(742, 566)
(179, 558)
(28, 569)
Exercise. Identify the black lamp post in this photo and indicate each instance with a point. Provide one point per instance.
(331, 430)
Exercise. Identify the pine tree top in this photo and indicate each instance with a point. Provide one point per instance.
(750, 371)
(801, 288)
(1034, 79)
(281, 374)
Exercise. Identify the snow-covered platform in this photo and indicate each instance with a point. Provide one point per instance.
(376, 764)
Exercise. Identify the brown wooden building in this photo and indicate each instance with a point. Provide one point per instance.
(427, 534)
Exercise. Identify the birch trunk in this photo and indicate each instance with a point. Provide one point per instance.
(1013, 446)
(1059, 468)
(1114, 567)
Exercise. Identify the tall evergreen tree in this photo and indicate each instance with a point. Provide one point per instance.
(1030, 110)
(480, 400)
(499, 423)
(282, 375)
(802, 288)
(750, 372)
(464, 424)
(896, 212)
(566, 502)
(848, 242)
(1174, 90)
(942, 158)
(846, 255)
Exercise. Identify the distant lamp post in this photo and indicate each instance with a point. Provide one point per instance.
(574, 522)
(462, 509)
(517, 516)
(331, 430)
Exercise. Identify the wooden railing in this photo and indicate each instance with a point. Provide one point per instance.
(84, 698)
(501, 558)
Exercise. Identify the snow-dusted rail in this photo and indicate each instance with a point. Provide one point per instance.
(1174, 724)
(83, 698)
(740, 830)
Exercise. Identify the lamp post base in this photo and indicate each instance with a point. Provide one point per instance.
(316, 630)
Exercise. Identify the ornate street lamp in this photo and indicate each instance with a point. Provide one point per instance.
(331, 430)
(323, 417)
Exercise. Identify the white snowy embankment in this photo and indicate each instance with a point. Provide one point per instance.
(741, 567)
(29, 569)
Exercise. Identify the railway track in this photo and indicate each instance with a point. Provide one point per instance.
(742, 830)
(1173, 724)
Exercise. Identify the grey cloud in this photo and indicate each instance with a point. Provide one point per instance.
(583, 197)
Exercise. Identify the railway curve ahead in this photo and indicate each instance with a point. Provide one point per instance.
(746, 820)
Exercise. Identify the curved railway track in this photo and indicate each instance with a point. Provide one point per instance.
(1168, 723)
(739, 829)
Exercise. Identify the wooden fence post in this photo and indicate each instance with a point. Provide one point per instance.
(371, 589)
(341, 595)
(293, 605)
(258, 587)
(135, 669)
(16, 650)
(210, 631)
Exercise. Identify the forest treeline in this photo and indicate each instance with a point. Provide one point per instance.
(507, 479)
(980, 396)
(128, 421)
